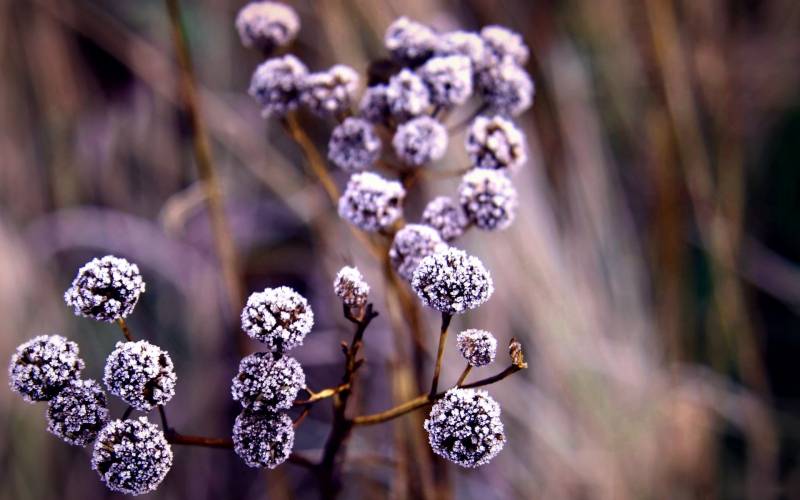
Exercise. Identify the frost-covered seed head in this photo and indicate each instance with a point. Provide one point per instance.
(105, 289)
(279, 317)
(407, 95)
(478, 347)
(330, 92)
(43, 366)
(263, 439)
(276, 84)
(351, 287)
(420, 141)
(504, 44)
(132, 456)
(266, 383)
(374, 105)
(412, 244)
(354, 145)
(495, 142)
(506, 88)
(141, 374)
(266, 25)
(410, 42)
(371, 202)
(449, 79)
(445, 216)
(466, 44)
(452, 282)
(465, 427)
(78, 412)
(488, 198)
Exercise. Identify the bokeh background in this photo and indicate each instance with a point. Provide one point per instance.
(652, 273)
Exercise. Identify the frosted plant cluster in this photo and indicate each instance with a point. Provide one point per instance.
(141, 374)
(105, 289)
(371, 202)
(263, 439)
(420, 141)
(354, 145)
(266, 25)
(351, 287)
(488, 198)
(478, 347)
(452, 282)
(78, 413)
(331, 91)
(446, 217)
(276, 85)
(280, 318)
(411, 244)
(41, 367)
(495, 142)
(266, 383)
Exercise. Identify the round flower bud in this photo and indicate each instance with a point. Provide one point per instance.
(350, 286)
(407, 95)
(449, 79)
(279, 317)
(410, 245)
(504, 44)
(370, 202)
(507, 88)
(276, 84)
(78, 412)
(452, 282)
(354, 145)
(465, 427)
(374, 105)
(420, 141)
(263, 439)
(445, 216)
(105, 289)
(488, 198)
(132, 456)
(43, 366)
(331, 91)
(495, 142)
(466, 44)
(266, 25)
(478, 347)
(266, 383)
(410, 42)
(141, 374)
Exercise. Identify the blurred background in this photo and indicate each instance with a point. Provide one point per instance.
(652, 274)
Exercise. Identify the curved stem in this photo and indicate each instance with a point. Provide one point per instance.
(446, 318)
(125, 330)
(323, 394)
(464, 374)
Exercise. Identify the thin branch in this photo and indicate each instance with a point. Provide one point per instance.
(323, 394)
(184, 439)
(125, 330)
(163, 414)
(464, 375)
(446, 318)
(494, 378)
(302, 417)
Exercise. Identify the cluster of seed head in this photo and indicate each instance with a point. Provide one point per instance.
(407, 96)
(410, 42)
(478, 347)
(445, 216)
(141, 374)
(350, 286)
(496, 143)
(420, 141)
(78, 412)
(105, 289)
(330, 92)
(263, 439)
(41, 367)
(277, 83)
(354, 145)
(412, 244)
(279, 317)
(371, 202)
(448, 78)
(452, 282)
(266, 25)
(266, 383)
(488, 198)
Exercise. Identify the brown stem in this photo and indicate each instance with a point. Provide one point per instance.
(494, 378)
(302, 417)
(323, 394)
(125, 330)
(446, 318)
(464, 375)
(175, 438)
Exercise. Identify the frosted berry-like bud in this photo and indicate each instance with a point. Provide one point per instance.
(410, 245)
(452, 282)
(78, 412)
(407, 95)
(351, 287)
(466, 44)
(420, 141)
(354, 145)
(266, 25)
(263, 439)
(105, 289)
(488, 198)
(132, 456)
(42, 366)
(141, 374)
(478, 347)
(445, 216)
(410, 42)
(507, 88)
(374, 105)
(266, 383)
(495, 142)
(504, 44)
(330, 92)
(279, 317)
(371, 202)
(276, 84)
(465, 427)
(449, 79)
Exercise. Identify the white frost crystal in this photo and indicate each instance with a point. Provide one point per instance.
(506, 88)
(266, 25)
(266, 383)
(330, 92)
(409, 41)
(420, 141)
(78, 412)
(141, 374)
(495, 142)
(452, 282)
(105, 289)
(354, 145)
(488, 198)
(449, 79)
(263, 439)
(446, 216)
(41, 367)
(276, 84)
(410, 245)
(504, 44)
(407, 95)
(478, 347)
(279, 317)
(351, 287)
(371, 202)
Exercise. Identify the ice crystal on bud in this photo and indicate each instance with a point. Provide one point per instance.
(371, 202)
(407, 95)
(506, 88)
(78, 412)
(276, 84)
(466, 44)
(266, 383)
(488, 198)
(105, 289)
(279, 317)
(420, 141)
(43, 366)
(445, 216)
(330, 92)
(263, 439)
(141, 374)
(374, 105)
(266, 25)
(350, 286)
(449, 79)
(452, 282)
(354, 145)
(495, 142)
(410, 245)
(465, 427)
(478, 347)
(410, 42)
(132, 456)
(504, 44)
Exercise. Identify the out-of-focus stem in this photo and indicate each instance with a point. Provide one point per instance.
(123, 325)
(446, 317)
